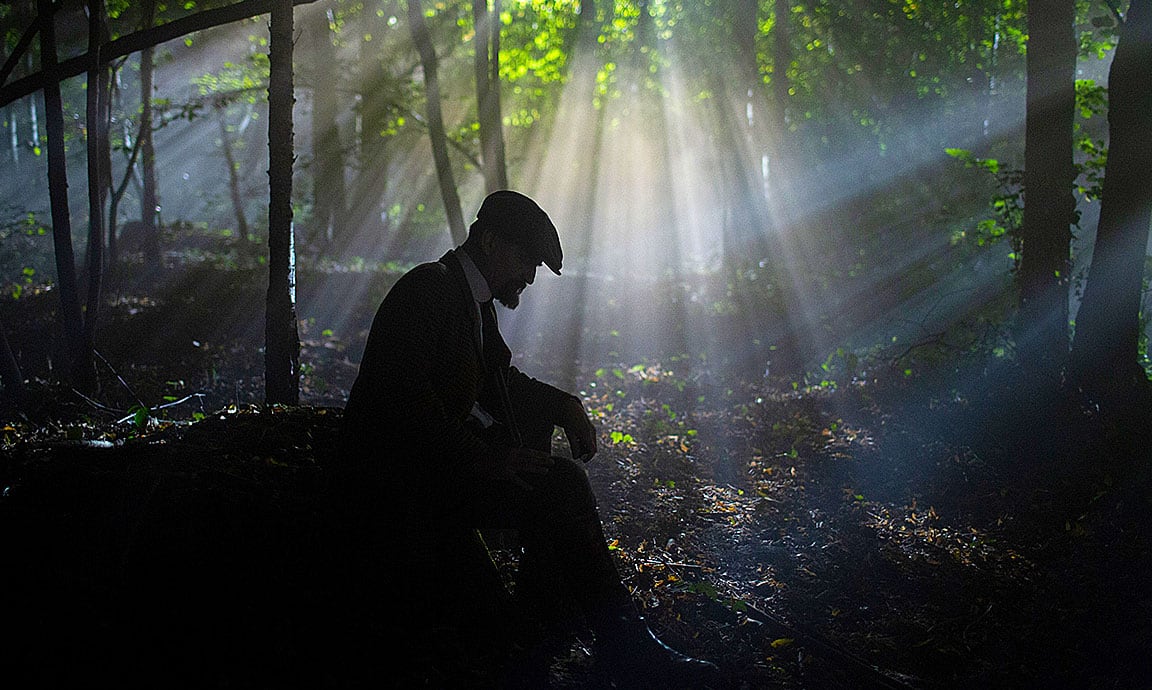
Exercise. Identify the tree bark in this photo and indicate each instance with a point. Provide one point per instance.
(1108, 324)
(487, 69)
(84, 366)
(149, 198)
(281, 337)
(436, 135)
(71, 319)
(1042, 334)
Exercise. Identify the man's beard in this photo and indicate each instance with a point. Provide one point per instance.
(511, 300)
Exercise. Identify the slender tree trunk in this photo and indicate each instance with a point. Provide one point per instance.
(487, 69)
(748, 212)
(150, 198)
(370, 179)
(71, 319)
(327, 155)
(436, 135)
(1108, 323)
(114, 202)
(1048, 174)
(10, 375)
(496, 114)
(83, 367)
(234, 194)
(781, 59)
(281, 337)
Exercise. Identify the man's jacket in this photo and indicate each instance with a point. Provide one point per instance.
(408, 416)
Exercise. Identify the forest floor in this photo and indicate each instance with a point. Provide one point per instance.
(895, 531)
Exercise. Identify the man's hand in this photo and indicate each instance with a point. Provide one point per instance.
(579, 430)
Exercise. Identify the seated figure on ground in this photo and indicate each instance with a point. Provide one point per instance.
(442, 434)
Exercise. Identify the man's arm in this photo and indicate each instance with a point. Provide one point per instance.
(561, 408)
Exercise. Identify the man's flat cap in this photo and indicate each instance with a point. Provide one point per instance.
(520, 219)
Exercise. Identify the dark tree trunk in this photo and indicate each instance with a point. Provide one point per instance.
(328, 192)
(281, 337)
(487, 68)
(84, 366)
(71, 319)
(1108, 324)
(436, 135)
(149, 198)
(1042, 335)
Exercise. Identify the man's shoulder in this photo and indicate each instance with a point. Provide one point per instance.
(424, 274)
(429, 281)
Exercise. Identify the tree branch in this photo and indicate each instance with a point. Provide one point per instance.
(139, 40)
(19, 50)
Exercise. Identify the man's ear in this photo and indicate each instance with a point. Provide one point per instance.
(488, 242)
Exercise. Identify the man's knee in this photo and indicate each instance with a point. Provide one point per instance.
(570, 488)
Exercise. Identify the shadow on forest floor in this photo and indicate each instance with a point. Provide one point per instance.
(891, 533)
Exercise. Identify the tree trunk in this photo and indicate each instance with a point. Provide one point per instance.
(149, 199)
(10, 376)
(1042, 334)
(328, 193)
(71, 319)
(234, 194)
(84, 366)
(497, 110)
(436, 135)
(487, 68)
(281, 337)
(748, 137)
(1108, 324)
(781, 59)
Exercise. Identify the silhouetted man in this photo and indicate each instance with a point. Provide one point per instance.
(441, 432)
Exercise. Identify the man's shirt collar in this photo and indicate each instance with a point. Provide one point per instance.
(481, 293)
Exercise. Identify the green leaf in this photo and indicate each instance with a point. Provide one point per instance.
(621, 437)
(139, 416)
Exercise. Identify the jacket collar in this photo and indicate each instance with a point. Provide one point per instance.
(478, 284)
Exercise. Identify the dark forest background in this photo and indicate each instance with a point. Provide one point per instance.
(909, 237)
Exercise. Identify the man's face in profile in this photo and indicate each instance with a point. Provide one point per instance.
(519, 273)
